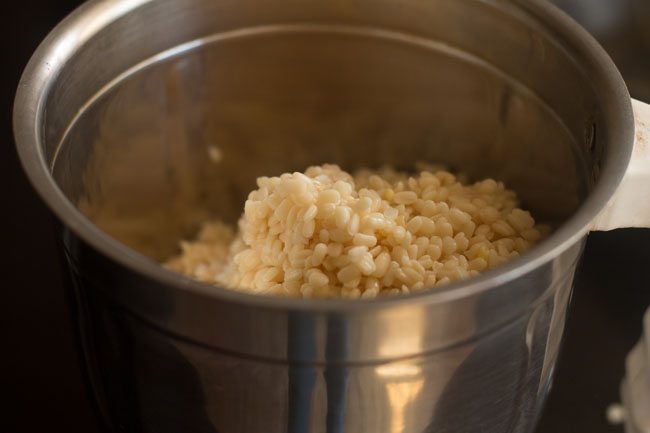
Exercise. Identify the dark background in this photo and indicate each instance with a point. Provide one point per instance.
(40, 374)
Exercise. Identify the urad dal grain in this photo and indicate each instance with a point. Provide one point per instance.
(324, 233)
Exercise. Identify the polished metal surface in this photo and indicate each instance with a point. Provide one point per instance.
(121, 106)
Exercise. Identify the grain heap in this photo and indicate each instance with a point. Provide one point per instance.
(324, 233)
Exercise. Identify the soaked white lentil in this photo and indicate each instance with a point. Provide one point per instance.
(326, 233)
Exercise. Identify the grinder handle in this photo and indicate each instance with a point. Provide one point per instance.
(630, 206)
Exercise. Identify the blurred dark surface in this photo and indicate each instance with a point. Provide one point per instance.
(40, 372)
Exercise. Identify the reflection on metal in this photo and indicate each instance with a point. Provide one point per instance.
(401, 394)
(403, 381)
(398, 371)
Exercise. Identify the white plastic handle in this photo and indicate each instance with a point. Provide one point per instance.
(630, 206)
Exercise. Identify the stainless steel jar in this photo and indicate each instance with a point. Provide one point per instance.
(122, 105)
